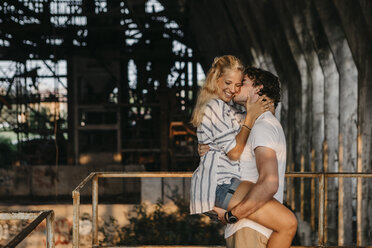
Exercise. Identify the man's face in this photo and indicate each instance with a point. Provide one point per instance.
(247, 90)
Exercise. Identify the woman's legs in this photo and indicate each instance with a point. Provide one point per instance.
(273, 215)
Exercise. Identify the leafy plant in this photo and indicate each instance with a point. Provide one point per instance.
(176, 228)
(7, 152)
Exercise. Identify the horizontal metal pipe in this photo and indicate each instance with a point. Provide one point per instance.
(189, 174)
(82, 184)
(292, 175)
(19, 215)
(358, 175)
(145, 174)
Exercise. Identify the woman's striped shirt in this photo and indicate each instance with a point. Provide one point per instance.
(220, 125)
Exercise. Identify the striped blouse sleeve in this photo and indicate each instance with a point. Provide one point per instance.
(217, 124)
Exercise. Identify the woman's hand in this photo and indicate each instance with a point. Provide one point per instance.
(263, 104)
(202, 149)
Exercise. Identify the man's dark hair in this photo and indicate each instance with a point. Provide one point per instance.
(270, 83)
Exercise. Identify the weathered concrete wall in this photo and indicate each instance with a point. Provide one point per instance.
(38, 184)
(42, 184)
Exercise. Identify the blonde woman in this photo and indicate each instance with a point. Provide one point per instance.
(219, 125)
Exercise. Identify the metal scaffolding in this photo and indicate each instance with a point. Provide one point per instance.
(127, 68)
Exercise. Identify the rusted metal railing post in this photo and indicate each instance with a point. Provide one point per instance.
(95, 210)
(312, 204)
(359, 240)
(321, 211)
(50, 230)
(302, 190)
(76, 210)
(325, 168)
(340, 231)
(340, 211)
(313, 192)
(76, 218)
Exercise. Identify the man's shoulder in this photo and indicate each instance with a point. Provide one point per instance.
(266, 121)
(266, 130)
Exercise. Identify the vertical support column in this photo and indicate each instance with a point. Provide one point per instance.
(301, 94)
(50, 230)
(70, 111)
(75, 113)
(331, 74)
(359, 39)
(194, 82)
(118, 133)
(341, 49)
(95, 210)
(123, 99)
(75, 219)
(119, 113)
(164, 128)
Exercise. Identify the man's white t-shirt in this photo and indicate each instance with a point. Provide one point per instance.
(268, 132)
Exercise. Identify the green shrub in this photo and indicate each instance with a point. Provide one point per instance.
(177, 228)
(7, 152)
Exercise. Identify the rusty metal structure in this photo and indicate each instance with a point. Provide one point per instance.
(37, 217)
(118, 68)
(113, 82)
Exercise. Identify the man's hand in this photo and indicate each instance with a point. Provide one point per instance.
(221, 214)
(202, 149)
(262, 105)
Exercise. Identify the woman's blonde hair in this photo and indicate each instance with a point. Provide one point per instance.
(210, 88)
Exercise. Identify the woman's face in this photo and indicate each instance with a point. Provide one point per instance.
(229, 84)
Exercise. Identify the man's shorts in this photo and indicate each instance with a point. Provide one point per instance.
(246, 238)
(224, 192)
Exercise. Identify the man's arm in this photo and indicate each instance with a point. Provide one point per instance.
(266, 186)
(253, 110)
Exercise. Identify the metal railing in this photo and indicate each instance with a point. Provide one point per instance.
(38, 217)
(322, 192)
